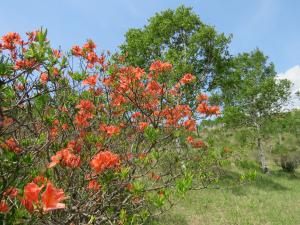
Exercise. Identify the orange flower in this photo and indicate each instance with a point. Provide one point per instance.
(51, 198)
(94, 185)
(90, 80)
(44, 78)
(68, 158)
(104, 160)
(10, 40)
(65, 126)
(31, 192)
(143, 125)
(3, 207)
(187, 78)
(190, 124)
(11, 192)
(23, 64)
(77, 51)
(202, 97)
(109, 130)
(55, 72)
(85, 105)
(12, 145)
(20, 87)
(27, 204)
(56, 53)
(159, 66)
(89, 45)
(40, 179)
(7, 121)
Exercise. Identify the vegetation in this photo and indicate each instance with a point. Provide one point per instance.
(170, 123)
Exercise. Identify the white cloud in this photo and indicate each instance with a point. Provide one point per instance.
(293, 74)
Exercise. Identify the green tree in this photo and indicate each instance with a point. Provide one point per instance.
(252, 95)
(181, 38)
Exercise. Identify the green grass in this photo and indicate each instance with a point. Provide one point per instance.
(270, 199)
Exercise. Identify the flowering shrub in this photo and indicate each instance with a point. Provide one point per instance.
(84, 140)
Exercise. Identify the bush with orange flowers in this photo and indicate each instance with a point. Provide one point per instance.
(85, 141)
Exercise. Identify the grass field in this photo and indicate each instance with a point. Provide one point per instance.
(272, 199)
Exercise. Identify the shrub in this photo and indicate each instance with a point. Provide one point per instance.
(289, 162)
(84, 140)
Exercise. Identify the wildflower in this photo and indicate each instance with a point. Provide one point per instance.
(104, 160)
(51, 198)
(77, 51)
(159, 66)
(90, 80)
(11, 192)
(187, 78)
(3, 207)
(94, 185)
(44, 78)
(31, 192)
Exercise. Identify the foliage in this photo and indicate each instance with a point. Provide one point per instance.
(180, 37)
(252, 95)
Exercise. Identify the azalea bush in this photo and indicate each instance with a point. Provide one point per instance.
(84, 140)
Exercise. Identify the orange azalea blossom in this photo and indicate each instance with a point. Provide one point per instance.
(104, 160)
(20, 87)
(203, 108)
(53, 133)
(81, 119)
(24, 64)
(143, 125)
(117, 100)
(77, 51)
(32, 191)
(10, 40)
(55, 72)
(154, 86)
(90, 80)
(136, 115)
(65, 126)
(155, 176)
(3, 207)
(12, 145)
(85, 105)
(187, 78)
(109, 130)
(6, 122)
(27, 204)
(56, 53)
(194, 143)
(11, 192)
(89, 45)
(40, 180)
(65, 156)
(92, 58)
(129, 186)
(202, 97)
(94, 185)
(198, 144)
(44, 78)
(190, 125)
(51, 198)
(159, 66)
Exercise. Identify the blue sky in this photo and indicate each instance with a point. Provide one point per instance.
(271, 25)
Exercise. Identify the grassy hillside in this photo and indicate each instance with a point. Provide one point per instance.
(270, 199)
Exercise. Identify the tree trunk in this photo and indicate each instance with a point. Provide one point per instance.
(280, 138)
(261, 156)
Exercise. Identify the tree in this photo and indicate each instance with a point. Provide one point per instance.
(181, 38)
(252, 94)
